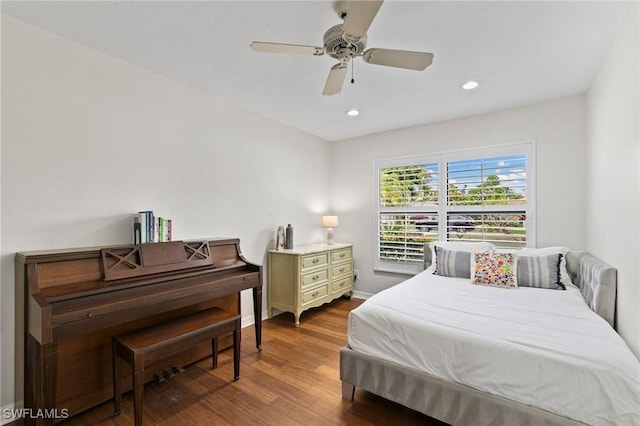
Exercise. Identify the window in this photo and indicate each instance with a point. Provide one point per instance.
(479, 195)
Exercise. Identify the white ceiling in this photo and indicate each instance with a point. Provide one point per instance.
(522, 52)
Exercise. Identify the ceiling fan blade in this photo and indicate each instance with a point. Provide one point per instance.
(360, 14)
(398, 58)
(335, 80)
(261, 46)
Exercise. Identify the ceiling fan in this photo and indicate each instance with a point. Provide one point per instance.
(348, 40)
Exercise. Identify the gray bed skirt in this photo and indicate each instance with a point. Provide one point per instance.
(451, 403)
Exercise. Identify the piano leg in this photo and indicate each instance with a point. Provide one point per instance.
(46, 394)
(257, 315)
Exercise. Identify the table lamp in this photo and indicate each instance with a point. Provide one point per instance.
(329, 222)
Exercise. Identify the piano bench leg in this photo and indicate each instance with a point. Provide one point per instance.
(117, 379)
(138, 395)
(236, 354)
(214, 352)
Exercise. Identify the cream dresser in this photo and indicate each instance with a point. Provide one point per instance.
(308, 276)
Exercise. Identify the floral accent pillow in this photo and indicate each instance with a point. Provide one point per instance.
(494, 269)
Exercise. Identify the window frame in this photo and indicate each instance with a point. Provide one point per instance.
(442, 209)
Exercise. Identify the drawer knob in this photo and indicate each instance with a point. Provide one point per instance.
(314, 261)
(341, 254)
(341, 269)
(315, 277)
(342, 284)
(315, 293)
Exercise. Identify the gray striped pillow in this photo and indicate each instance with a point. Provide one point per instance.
(540, 271)
(453, 263)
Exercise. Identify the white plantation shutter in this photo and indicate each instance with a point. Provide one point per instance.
(399, 240)
(478, 195)
(503, 229)
(408, 197)
(473, 181)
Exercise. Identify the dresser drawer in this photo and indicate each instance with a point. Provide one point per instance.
(315, 260)
(342, 269)
(341, 255)
(314, 294)
(342, 284)
(315, 277)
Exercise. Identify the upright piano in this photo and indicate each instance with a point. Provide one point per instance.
(75, 300)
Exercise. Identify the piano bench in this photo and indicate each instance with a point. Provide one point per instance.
(154, 343)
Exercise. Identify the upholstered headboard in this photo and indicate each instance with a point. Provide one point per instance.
(596, 279)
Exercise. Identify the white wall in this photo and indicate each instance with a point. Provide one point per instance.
(613, 166)
(87, 140)
(557, 127)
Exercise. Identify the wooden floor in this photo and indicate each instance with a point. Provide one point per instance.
(293, 381)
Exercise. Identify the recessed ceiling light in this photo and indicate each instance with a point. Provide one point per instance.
(353, 112)
(470, 85)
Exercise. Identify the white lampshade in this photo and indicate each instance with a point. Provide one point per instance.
(329, 221)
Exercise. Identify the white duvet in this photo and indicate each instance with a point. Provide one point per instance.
(540, 347)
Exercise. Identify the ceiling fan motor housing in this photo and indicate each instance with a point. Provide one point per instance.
(337, 47)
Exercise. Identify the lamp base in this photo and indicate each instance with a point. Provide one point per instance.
(329, 235)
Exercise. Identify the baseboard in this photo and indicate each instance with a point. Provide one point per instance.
(361, 295)
(248, 320)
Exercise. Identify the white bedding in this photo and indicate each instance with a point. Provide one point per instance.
(540, 347)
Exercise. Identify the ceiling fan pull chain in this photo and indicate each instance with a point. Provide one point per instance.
(353, 64)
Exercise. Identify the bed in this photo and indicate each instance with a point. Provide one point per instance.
(479, 355)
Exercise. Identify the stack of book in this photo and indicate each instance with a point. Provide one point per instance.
(148, 228)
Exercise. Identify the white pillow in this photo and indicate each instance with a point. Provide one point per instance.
(467, 246)
(546, 251)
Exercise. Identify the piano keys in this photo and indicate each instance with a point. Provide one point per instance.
(76, 299)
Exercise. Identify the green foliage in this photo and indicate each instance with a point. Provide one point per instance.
(409, 186)
(489, 192)
(406, 186)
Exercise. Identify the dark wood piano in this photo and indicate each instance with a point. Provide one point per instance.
(75, 300)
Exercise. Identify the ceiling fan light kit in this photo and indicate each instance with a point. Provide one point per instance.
(348, 40)
(470, 85)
